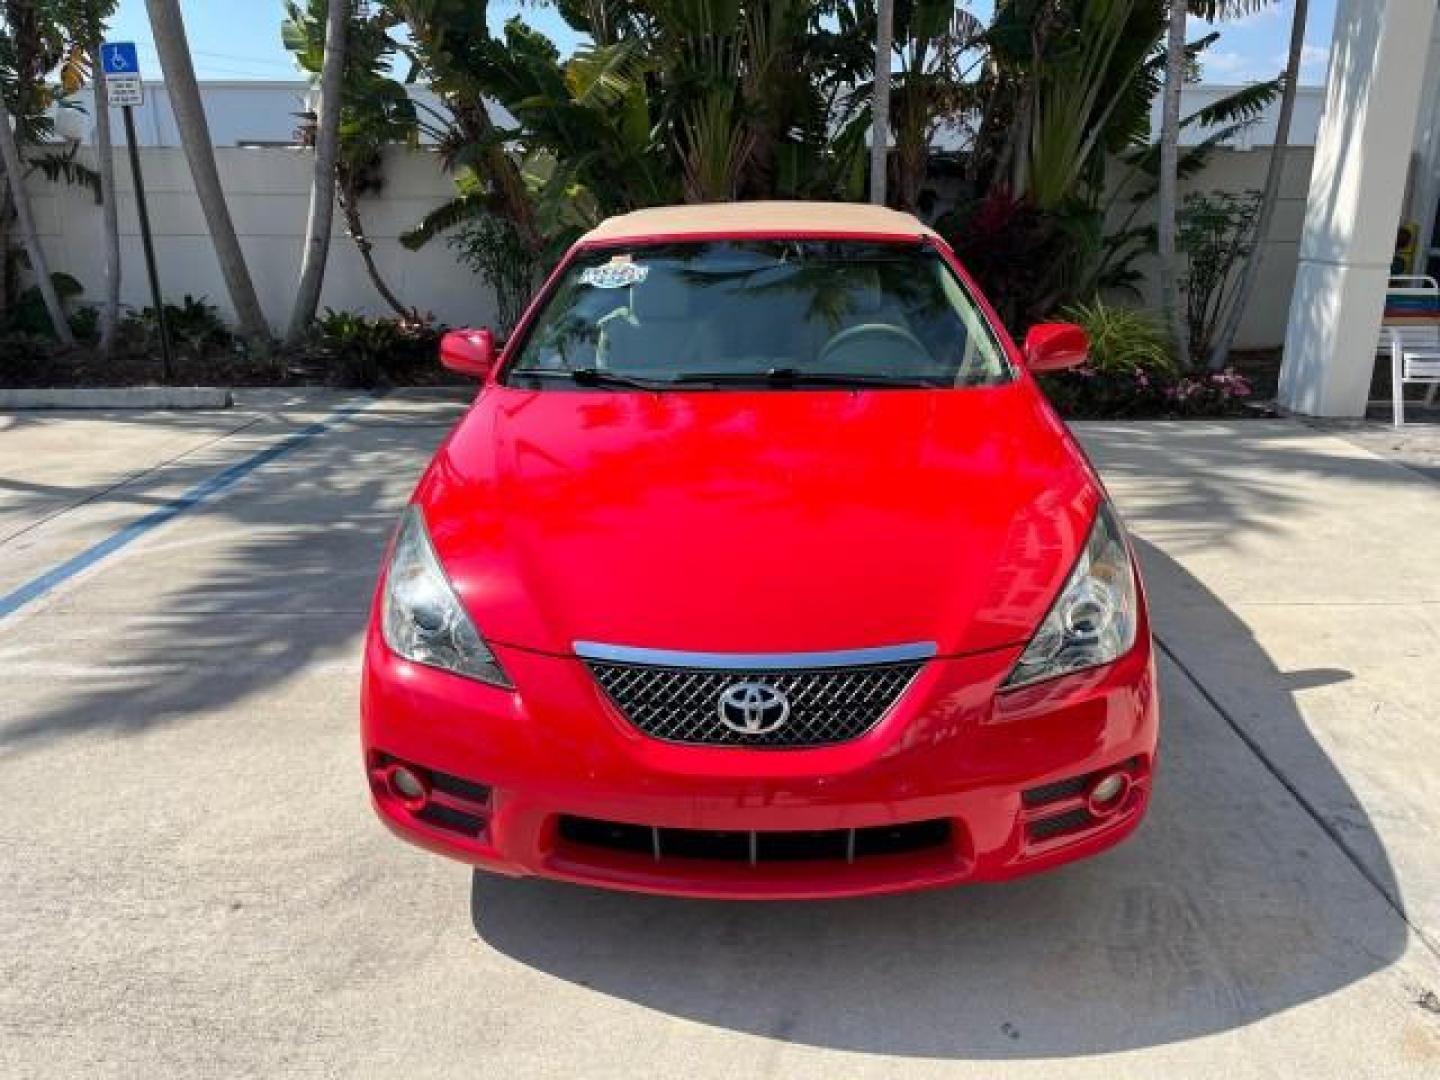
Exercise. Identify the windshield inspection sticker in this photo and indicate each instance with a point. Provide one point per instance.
(619, 273)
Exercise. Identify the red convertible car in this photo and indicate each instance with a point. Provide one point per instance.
(760, 567)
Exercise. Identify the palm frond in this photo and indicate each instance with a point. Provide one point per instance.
(443, 218)
(1244, 106)
(62, 166)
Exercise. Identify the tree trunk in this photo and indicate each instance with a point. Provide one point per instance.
(322, 184)
(350, 207)
(880, 106)
(174, 49)
(500, 170)
(7, 245)
(1168, 203)
(1220, 355)
(25, 217)
(105, 156)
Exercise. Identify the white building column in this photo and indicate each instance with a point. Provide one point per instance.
(1357, 194)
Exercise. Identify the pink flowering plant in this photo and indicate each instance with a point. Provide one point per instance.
(1089, 394)
(1132, 373)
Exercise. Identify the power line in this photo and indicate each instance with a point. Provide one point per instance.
(237, 58)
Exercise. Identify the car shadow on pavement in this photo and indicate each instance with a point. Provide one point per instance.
(1231, 904)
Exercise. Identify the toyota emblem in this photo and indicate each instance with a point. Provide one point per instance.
(753, 708)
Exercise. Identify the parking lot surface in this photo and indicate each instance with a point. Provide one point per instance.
(193, 884)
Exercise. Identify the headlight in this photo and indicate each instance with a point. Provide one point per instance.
(1094, 619)
(421, 616)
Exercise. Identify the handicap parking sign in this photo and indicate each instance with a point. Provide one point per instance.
(121, 64)
(119, 58)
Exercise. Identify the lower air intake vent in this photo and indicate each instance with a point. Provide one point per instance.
(840, 845)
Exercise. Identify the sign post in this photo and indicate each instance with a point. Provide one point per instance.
(124, 90)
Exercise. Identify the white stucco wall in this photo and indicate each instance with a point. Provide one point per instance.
(1244, 170)
(268, 193)
(239, 112)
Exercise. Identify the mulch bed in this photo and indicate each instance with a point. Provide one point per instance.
(83, 368)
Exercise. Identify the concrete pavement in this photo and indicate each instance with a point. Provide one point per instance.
(192, 883)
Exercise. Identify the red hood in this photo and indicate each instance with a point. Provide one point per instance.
(765, 521)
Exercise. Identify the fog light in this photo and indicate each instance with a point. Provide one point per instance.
(408, 786)
(1108, 793)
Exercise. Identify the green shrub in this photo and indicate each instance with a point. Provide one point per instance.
(357, 350)
(1216, 237)
(1123, 340)
(28, 315)
(25, 358)
(196, 329)
(85, 323)
(492, 249)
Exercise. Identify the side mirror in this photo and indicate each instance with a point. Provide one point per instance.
(468, 352)
(1056, 347)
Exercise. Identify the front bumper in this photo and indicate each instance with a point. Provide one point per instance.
(955, 784)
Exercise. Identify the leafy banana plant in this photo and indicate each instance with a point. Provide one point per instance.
(1087, 77)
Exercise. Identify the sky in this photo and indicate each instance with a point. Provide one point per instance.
(230, 45)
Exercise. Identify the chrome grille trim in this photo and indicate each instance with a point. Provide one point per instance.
(828, 705)
(791, 661)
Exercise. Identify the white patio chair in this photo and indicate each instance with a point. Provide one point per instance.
(1412, 363)
(1412, 315)
(1412, 306)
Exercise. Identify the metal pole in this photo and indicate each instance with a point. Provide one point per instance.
(148, 241)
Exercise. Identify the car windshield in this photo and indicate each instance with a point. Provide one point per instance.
(780, 313)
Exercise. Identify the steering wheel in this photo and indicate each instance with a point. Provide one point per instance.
(854, 335)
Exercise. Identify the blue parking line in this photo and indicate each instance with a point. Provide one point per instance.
(202, 492)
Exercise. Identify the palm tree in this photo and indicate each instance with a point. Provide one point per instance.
(105, 159)
(1220, 355)
(20, 199)
(1167, 208)
(937, 42)
(880, 107)
(92, 18)
(82, 22)
(322, 184)
(374, 113)
(174, 49)
(1177, 58)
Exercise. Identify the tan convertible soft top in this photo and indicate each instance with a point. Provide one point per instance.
(783, 218)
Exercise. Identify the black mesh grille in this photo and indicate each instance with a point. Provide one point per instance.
(1075, 785)
(460, 788)
(827, 705)
(1068, 822)
(447, 817)
(1061, 789)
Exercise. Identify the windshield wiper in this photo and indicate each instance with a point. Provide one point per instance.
(776, 377)
(590, 376)
(789, 376)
